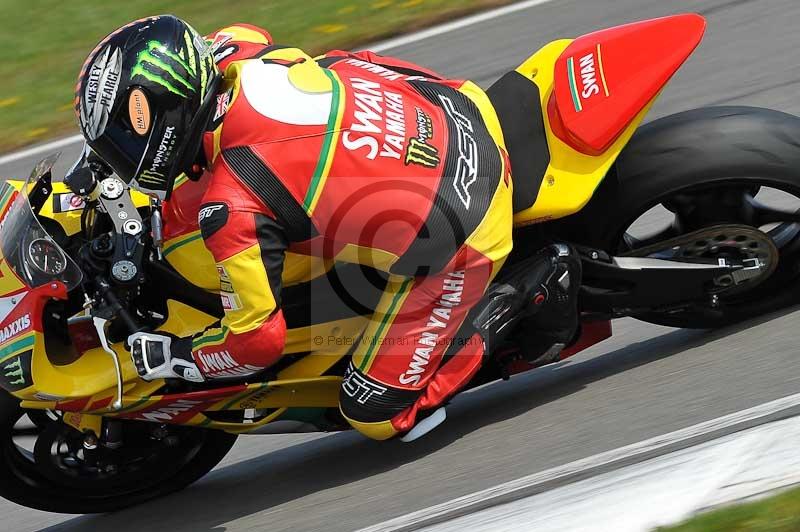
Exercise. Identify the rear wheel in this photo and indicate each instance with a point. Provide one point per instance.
(45, 465)
(717, 183)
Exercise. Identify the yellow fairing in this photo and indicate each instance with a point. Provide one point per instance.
(91, 376)
(572, 177)
(9, 282)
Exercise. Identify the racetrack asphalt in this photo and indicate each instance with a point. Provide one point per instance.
(645, 381)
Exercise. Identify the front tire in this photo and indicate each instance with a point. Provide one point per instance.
(718, 154)
(45, 482)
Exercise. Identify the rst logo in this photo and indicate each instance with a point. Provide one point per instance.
(586, 76)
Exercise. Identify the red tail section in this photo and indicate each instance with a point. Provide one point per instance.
(604, 79)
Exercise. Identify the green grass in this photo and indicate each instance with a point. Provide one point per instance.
(780, 513)
(44, 42)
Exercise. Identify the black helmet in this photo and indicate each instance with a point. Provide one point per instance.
(144, 98)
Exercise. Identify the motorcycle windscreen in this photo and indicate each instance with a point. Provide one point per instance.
(26, 247)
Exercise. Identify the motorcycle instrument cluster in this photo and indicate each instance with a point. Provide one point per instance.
(45, 256)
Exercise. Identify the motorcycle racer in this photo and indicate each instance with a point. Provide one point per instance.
(352, 157)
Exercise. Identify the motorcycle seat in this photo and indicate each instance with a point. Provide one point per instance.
(518, 106)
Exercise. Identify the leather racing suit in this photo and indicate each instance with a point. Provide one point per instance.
(357, 158)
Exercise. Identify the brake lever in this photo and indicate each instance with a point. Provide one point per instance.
(100, 322)
(100, 327)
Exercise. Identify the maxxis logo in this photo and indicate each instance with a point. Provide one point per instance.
(15, 328)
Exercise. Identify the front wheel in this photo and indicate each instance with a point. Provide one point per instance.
(45, 465)
(721, 182)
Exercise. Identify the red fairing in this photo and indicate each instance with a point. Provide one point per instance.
(604, 79)
(25, 314)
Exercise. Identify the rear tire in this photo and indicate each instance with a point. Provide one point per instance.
(693, 151)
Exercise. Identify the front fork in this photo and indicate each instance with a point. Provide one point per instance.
(98, 432)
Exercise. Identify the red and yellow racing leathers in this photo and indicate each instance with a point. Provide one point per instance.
(356, 158)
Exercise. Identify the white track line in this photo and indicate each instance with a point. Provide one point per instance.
(661, 491)
(455, 25)
(587, 467)
(48, 147)
(377, 47)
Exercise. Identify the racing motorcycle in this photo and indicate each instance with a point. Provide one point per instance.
(87, 261)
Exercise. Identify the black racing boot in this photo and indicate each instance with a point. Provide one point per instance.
(537, 298)
(551, 322)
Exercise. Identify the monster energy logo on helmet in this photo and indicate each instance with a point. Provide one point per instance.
(174, 72)
(150, 178)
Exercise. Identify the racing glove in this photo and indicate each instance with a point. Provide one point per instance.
(153, 357)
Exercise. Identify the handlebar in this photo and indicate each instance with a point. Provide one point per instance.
(118, 263)
(119, 310)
